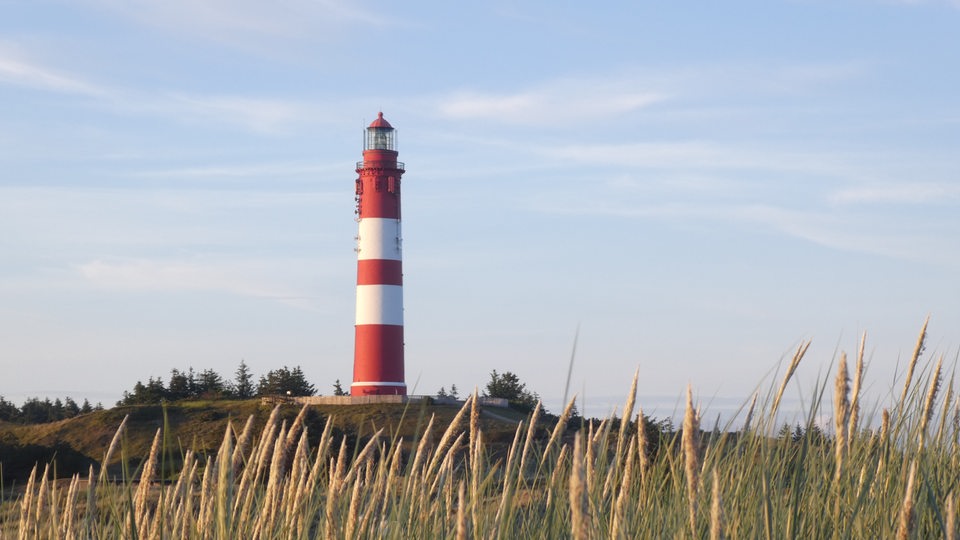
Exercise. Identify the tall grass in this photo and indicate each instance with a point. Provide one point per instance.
(604, 481)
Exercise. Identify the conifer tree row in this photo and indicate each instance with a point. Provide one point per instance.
(208, 384)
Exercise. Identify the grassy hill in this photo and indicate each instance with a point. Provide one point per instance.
(79, 442)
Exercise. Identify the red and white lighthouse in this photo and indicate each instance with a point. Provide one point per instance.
(378, 349)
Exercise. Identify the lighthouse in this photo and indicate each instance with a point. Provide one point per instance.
(378, 346)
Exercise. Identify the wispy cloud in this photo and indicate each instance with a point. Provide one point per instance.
(906, 193)
(596, 98)
(255, 170)
(803, 77)
(842, 232)
(257, 114)
(268, 116)
(261, 115)
(691, 155)
(243, 279)
(857, 233)
(246, 23)
(69, 223)
(954, 3)
(559, 102)
(16, 68)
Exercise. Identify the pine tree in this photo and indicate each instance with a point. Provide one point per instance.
(509, 387)
(210, 384)
(70, 407)
(243, 382)
(179, 385)
(285, 381)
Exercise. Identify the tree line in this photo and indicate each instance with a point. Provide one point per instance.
(208, 384)
(36, 411)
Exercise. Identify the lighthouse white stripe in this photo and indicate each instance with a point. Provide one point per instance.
(379, 238)
(380, 304)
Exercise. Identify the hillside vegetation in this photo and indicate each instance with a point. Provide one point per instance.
(893, 479)
(197, 426)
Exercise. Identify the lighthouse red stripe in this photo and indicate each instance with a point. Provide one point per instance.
(379, 272)
(378, 358)
(378, 204)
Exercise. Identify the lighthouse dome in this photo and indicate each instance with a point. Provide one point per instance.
(380, 122)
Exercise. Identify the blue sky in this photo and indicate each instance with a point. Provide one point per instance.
(699, 186)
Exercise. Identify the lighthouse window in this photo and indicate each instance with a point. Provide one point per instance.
(380, 139)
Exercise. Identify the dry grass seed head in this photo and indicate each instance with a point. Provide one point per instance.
(841, 411)
(363, 456)
(716, 510)
(146, 479)
(354, 510)
(907, 512)
(579, 507)
(626, 481)
(452, 430)
(42, 495)
(422, 448)
(931, 396)
(917, 351)
(951, 524)
(794, 362)
(628, 407)
(749, 420)
(528, 442)
(854, 416)
(474, 419)
(561, 425)
(691, 454)
(461, 533)
(114, 444)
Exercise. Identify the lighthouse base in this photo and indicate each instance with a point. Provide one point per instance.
(378, 389)
(378, 361)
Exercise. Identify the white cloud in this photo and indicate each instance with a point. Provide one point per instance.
(659, 154)
(18, 70)
(268, 116)
(261, 115)
(954, 3)
(858, 233)
(803, 77)
(561, 102)
(246, 23)
(701, 155)
(597, 98)
(832, 230)
(61, 225)
(855, 233)
(261, 170)
(913, 193)
(24, 202)
(235, 277)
